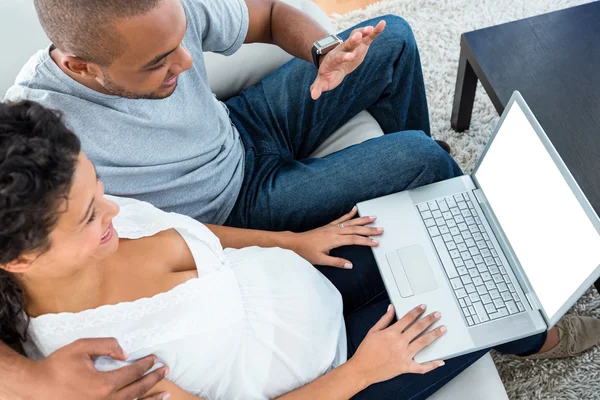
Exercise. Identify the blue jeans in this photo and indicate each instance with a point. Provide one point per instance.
(280, 126)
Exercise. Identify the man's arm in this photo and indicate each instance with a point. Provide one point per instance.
(69, 373)
(12, 371)
(275, 22)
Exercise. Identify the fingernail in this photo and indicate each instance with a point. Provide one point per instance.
(125, 355)
(354, 208)
(443, 329)
(390, 308)
(437, 314)
(347, 266)
(372, 218)
(167, 396)
(423, 306)
(380, 230)
(167, 371)
(375, 241)
(441, 364)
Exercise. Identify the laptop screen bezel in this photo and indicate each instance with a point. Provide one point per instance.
(517, 99)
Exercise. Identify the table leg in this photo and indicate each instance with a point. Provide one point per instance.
(464, 94)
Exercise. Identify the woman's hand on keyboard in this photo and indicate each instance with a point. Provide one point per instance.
(388, 350)
(315, 245)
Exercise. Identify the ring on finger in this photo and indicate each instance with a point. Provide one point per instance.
(341, 224)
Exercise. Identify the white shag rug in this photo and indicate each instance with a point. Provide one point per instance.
(437, 25)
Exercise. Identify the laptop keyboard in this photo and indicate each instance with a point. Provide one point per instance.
(476, 273)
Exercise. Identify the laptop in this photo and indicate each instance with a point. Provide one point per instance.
(502, 253)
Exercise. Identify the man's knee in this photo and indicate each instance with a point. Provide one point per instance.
(398, 31)
(397, 37)
(396, 24)
(433, 162)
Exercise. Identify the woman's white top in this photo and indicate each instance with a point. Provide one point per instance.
(256, 324)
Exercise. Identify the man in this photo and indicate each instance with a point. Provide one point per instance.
(130, 80)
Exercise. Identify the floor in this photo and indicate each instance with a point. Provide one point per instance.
(342, 6)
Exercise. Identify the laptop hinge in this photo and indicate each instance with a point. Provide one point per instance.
(533, 302)
(480, 196)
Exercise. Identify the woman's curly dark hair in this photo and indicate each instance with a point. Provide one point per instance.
(38, 157)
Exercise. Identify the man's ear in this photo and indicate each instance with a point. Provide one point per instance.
(80, 67)
(20, 265)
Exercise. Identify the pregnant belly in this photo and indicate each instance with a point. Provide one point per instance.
(294, 320)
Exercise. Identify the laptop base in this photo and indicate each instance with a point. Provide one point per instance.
(408, 285)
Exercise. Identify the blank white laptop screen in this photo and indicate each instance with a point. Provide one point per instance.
(550, 233)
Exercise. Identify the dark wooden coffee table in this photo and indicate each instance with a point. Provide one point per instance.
(554, 61)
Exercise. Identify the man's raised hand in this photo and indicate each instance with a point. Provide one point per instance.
(344, 59)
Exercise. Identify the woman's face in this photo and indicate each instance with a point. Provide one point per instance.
(84, 232)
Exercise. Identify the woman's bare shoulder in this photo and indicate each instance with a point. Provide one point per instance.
(166, 250)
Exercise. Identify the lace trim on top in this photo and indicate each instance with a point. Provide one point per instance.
(109, 320)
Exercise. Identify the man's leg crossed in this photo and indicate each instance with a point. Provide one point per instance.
(299, 195)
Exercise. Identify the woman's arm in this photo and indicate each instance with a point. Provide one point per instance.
(238, 238)
(175, 392)
(340, 384)
(313, 246)
(386, 352)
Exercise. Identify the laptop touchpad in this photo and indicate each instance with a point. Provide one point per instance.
(417, 269)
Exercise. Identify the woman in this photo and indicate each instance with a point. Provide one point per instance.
(252, 323)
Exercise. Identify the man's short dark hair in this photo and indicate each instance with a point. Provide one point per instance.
(85, 27)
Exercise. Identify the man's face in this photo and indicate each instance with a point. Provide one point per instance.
(155, 56)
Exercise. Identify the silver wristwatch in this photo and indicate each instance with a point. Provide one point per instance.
(324, 46)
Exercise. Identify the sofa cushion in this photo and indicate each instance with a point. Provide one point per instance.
(360, 128)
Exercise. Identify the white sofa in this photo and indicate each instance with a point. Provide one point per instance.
(21, 36)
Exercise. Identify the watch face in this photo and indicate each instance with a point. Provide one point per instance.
(328, 41)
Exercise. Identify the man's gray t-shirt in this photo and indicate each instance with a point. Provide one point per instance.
(181, 154)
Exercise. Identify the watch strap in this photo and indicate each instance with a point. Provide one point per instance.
(318, 51)
(315, 56)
